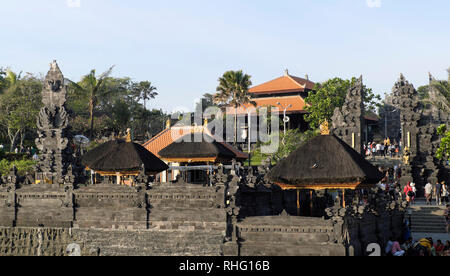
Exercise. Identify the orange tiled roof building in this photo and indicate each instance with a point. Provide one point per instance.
(282, 92)
(170, 135)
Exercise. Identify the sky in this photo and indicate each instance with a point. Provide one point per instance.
(183, 47)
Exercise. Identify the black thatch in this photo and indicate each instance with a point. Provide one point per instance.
(324, 160)
(204, 149)
(121, 156)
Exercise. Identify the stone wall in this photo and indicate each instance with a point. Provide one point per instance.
(241, 215)
(103, 242)
(166, 219)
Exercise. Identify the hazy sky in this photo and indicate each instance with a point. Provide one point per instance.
(184, 46)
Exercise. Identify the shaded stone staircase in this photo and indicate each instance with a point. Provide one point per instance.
(427, 219)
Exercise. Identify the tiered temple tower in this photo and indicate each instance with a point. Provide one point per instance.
(55, 158)
(348, 121)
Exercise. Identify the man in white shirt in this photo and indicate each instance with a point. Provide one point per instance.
(429, 193)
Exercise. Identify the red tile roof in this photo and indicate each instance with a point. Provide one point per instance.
(286, 83)
(168, 136)
(298, 105)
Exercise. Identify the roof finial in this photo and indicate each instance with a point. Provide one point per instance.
(286, 72)
(128, 139)
(306, 77)
(168, 124)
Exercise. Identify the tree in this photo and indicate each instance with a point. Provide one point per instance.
(144, 91)
(443, 152)
(2, 80)
(20, 104)
(441, 97)
(329, 95)
(93, 88)
(233, 91)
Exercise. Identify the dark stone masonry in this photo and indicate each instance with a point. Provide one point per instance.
(178, 219)
(241, 214)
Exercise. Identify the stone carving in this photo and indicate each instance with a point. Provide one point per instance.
(348, 121)
(419, 124)
(53, 133)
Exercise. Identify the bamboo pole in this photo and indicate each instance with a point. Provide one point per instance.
(298, 202)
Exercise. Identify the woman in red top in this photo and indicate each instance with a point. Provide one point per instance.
(408, 192)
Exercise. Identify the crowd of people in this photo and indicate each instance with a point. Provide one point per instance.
(422, 247)
(30, 152)
(383, 149)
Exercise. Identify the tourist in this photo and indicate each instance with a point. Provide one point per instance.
(389, 245)
(444, 195)
(1, 147)
(414, 193)
(408, 191)
(438, 193)
(35, 157)
(16, 151)
(408, 247)
(428, 192)
(446, 249)
(397, 250)
(439, 246)
(447, 218)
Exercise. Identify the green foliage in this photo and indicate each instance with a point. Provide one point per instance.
(20, 101)
(293, 139)
(112, 106)
(144, 91)
(443, 152)
(331, 94)
(233, 91)
(23, 166)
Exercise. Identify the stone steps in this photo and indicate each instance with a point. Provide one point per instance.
(427, 219)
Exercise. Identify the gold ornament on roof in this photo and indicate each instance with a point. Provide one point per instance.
(128, 139)
(325, 128)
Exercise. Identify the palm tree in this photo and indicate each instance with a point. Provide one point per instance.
(233, 91)
(144, 91)
(94, 88)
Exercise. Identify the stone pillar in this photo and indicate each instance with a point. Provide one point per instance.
(53, 135)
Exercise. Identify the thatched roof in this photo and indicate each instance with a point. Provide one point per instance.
(325, 159)
(181, 149)
(121, 156)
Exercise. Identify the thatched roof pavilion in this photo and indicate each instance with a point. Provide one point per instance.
(325, 162)
(122, 157)
(197, 148)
